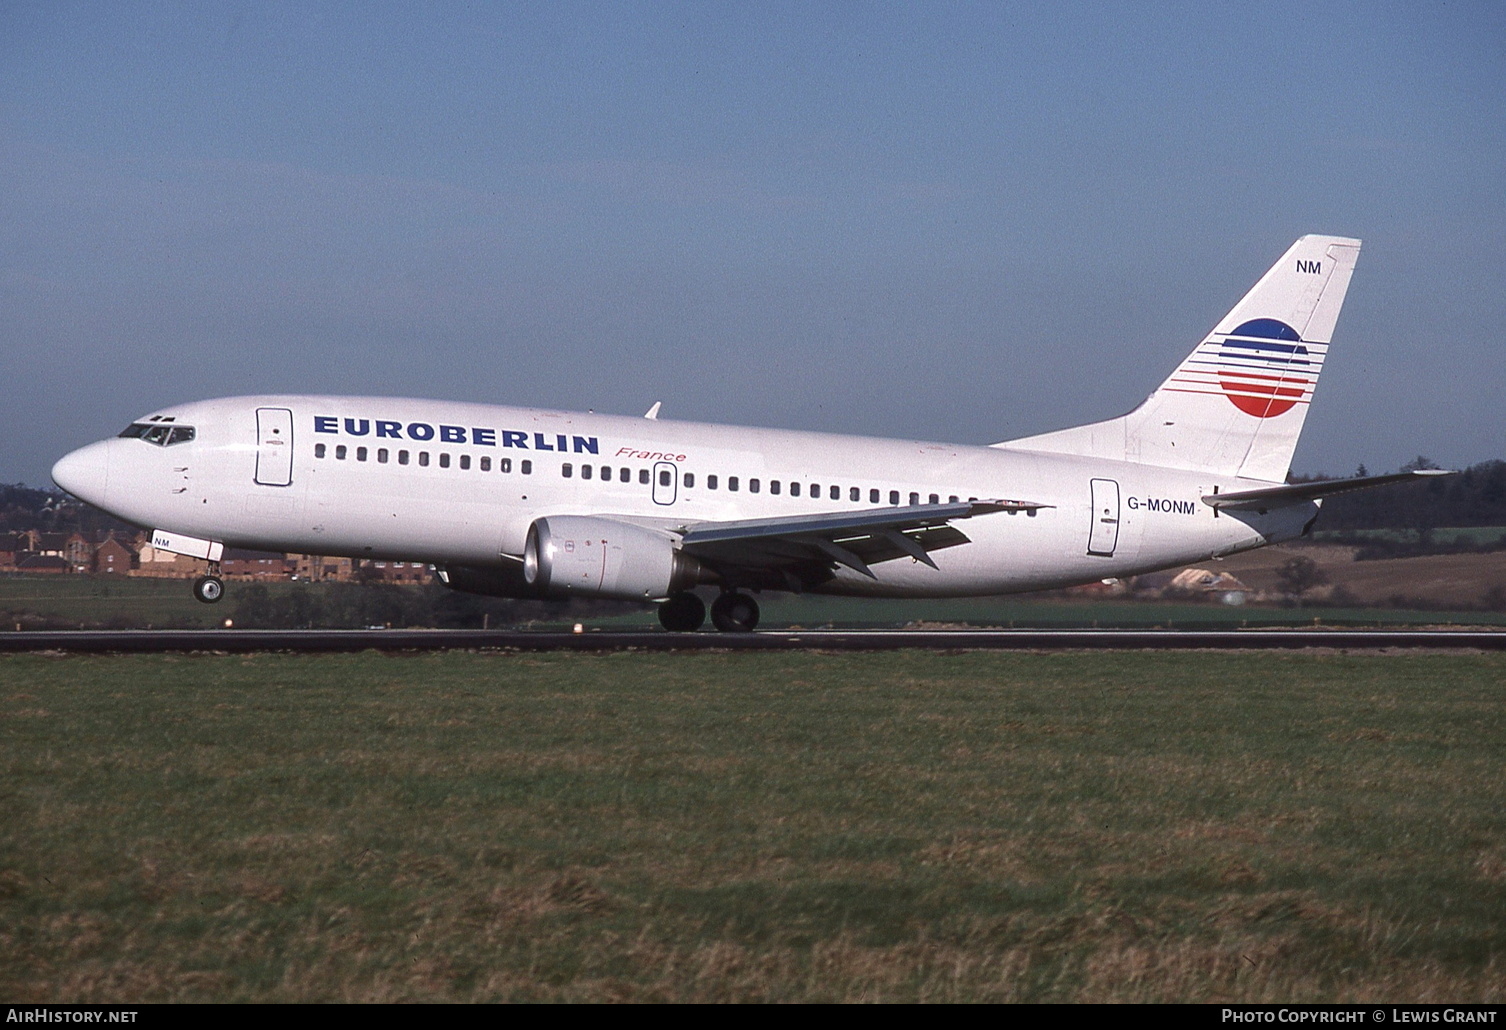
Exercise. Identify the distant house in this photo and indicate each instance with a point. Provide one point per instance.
(395, 572)
(113, 557)
(44, 565)
(316, 568)
(10, 546)
(239, 563)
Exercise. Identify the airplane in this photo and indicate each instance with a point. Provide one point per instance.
(528, 503)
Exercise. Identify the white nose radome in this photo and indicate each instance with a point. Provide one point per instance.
(85, 473)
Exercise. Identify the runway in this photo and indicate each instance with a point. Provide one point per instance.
(316, 640)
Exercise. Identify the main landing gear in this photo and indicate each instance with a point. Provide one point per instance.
(210, 588)
(682, 613)
(732, 612)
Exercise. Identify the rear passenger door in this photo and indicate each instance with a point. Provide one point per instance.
(1103, 537)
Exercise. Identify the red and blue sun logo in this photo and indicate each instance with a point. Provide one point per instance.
(1263, 367)
(1275, 349)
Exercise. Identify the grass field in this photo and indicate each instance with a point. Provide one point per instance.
(84, 601)
(938, 827)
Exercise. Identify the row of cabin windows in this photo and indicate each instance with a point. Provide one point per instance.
(834, 492)
(383, 455)
(624, 475)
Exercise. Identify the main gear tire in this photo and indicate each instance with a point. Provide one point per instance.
(682, 613)
(734, 613)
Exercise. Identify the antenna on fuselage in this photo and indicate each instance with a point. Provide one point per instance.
(653, 413)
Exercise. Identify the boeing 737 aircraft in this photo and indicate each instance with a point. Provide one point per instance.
(519, 502)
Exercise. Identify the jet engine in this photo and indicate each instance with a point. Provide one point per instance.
(586, 556)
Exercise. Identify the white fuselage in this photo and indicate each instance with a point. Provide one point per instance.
(444, 483)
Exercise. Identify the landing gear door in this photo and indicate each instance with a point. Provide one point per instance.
(274, 446)
(1104, 536)
(666, 482)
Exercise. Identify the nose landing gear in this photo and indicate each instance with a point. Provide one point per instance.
(208, 589)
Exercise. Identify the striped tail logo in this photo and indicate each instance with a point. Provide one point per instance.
(1263, 367)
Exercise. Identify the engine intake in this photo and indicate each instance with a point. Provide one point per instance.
(591, 556)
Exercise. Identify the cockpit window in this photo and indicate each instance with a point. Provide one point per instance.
(159, 434)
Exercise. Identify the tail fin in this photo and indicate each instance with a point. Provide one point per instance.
(1236, 405)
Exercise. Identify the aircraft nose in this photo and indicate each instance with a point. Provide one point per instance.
(85, 473)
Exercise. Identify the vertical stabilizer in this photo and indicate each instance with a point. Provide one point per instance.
(1236, 405)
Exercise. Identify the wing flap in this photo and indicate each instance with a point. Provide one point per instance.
(854, 539)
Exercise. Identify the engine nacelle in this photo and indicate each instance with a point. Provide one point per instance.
(586, 556)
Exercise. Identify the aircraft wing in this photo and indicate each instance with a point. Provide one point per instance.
(854, 539)
(1265, 498)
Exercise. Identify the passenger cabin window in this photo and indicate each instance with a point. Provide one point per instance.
(873, 496)
(585, 471)
(486, 463)
(915, 498)
(423, 458)
(643, 476)
(893, 496)
(360, 454)
(854, 494)
(567, 470)
(753, 486)
(504, 464)
(318, 450)
(935, 499)
(732, 483)
(794, 489)
(624, 475)
(710, 482)
(774, 486)
(836, 492)
(606, 473)
(815, 491)
(402, 457)
(340, 452)
(465, 461)
(526, 468)
(444, 459)
(690, 479)
(382, 453)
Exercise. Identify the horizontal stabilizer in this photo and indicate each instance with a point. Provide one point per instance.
(1268, 497)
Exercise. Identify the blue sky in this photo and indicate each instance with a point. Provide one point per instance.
(948, 221)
